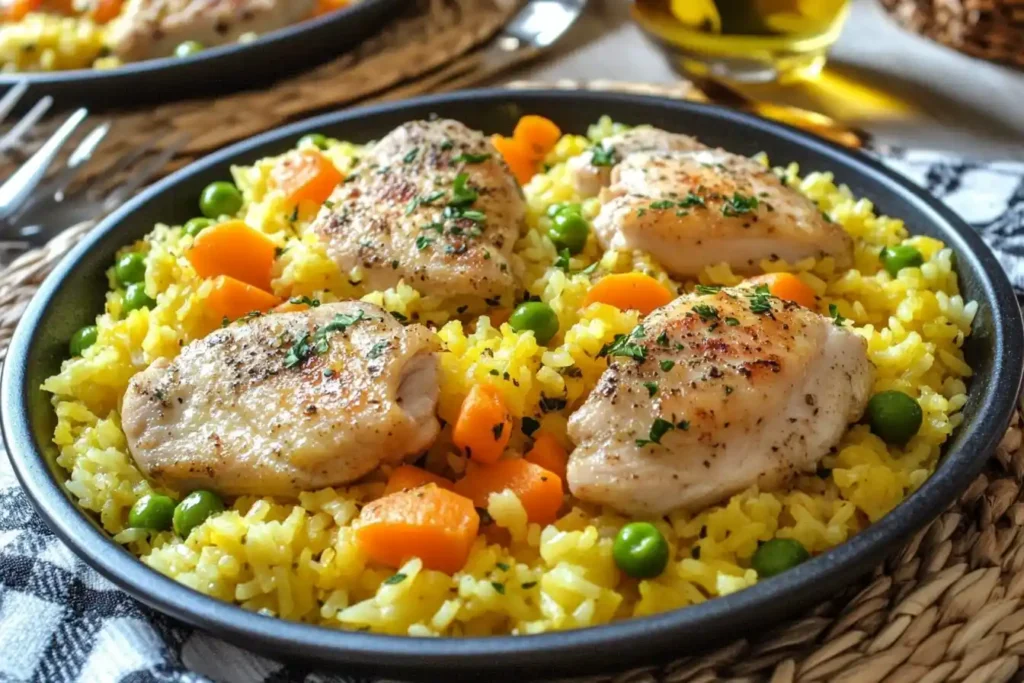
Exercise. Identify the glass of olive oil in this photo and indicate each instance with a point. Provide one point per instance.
(753, 41)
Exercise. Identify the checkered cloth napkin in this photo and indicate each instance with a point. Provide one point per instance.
(61, 621)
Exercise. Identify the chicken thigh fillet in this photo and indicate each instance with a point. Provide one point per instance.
(286, 403)
(712, 394)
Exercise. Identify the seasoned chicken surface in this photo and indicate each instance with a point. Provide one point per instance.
(694, 209)
(153, 28)
(712, 394)
(286, 403)
(432, 204)
(592, 171)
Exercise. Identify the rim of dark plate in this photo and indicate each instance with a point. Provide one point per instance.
(211, 54)
(958, 467)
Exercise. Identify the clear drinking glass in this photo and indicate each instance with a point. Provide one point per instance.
(753, 41)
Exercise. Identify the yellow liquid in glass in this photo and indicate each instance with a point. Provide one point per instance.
(745, 40)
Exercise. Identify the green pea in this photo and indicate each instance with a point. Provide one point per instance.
(188, 49)
(564, 207)
(777, 555)
(569, 231)
(640, 550)
(196, 225)
(896, 259)
(130, 268)
(894, 417)
(135, 297)
(220, 199)
(536, 316)
(152, 511)
(82, 340)
(318, 140)
(194, 509)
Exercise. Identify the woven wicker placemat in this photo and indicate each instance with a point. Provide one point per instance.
(948, 606)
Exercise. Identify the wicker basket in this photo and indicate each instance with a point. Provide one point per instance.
(991, 29)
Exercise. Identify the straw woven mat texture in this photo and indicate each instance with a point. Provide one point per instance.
(949, 606)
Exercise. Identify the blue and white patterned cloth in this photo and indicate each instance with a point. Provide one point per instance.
(61, 621)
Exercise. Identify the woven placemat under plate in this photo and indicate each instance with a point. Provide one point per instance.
(948, 606)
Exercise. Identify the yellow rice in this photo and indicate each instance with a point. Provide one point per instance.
(298, 560)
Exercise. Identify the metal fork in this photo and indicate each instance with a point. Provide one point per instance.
(34, 209)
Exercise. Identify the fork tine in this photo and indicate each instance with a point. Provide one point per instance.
(149, 169)
(30, 119)
(11, 98)
(24, 181)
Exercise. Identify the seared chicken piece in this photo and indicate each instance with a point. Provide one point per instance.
(434, 204)
(712, 394)
(590, 174)
(286, 403)
(153, 28)
(694, 209)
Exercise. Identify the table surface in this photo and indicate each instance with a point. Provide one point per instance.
(903, 89)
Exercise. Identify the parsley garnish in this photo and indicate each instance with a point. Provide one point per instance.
(302, 349)
(663, 204)
(295, 215)
(683, 425)
(732, 322)
(498, 587)
(377, 349)
(529, 584)
(624, 345)
(398, 316)
(659, 429)
(739, 204)
(691, 200)
(312, 303)
(299, 352)
(667, 365)
(706, 312)
(709, 289)
(529, 426)
(411, 155)
(662, 339)
(395, 579)
(446, 145)
(652, 388)
(471, 158)
(760, 300)
(502, 566)
(837, 319)
(462, 195)
(422, 242)
(602, 156)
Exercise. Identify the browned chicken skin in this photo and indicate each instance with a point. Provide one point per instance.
(286, 403)
(433, 204)
(154, 28)
(714, 393)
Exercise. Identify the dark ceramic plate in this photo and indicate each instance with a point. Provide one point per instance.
(73, 294)
(217, 70)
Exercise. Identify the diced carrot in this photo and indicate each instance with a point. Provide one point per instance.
(306, 176)
(18, 9)
(289, 307)
(328, 6)
(498, 316)
(548, 453)
(517, 156)
(429, 522)
(484, 425)
(789, 287)
(231, 298)
(630, 290)
(538, 489)
(235, 249)
(410, 477)
(537, 134)
(104, 11)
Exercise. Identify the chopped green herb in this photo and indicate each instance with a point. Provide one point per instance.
(298, 352)
(739, 204)
(706, 312)
(422, 242)
(690, 200)
(641, 212)
(377, 349)
(662, 339)
(295, 214)
(329, 373)
(837, 319)
(462, 195)
(602, 156)
(473, 215)
(683, 425)
(468, 158)
(709, 289)
(732, 322)
(411, 155)
(550, 405)
(529, 584)
(760, 300)
(502, 566)
(447, 145)
(663, 204)
(312, 303)
(498, 587)
(624, 345)
(659, 429)
(398, 316)
(667, 365)
(395, 579)
(652, 388)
